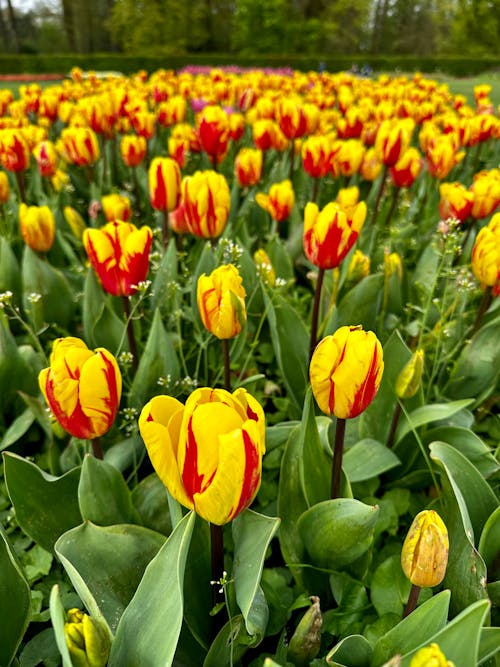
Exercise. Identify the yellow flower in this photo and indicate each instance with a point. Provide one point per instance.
(75, 221)
(410, 377)
(116, 207)
(430, 656)
(87, 640)
(424, 556)
(221, 301)
(206, 199)
(279, 202)
(486, 255)
(37, 227)
(264, 267)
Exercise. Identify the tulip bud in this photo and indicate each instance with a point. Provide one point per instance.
(75, 221)
(164, 179)
(116, 207)
(206, 200)
(305, 643)
(37, 227)
(221, 301)
(392, 265)
(279, 202)
(87, 640)
(359, 267)
(264, 267)
(248, 166)
(430, 656)
(410, 377)
(455, 201)
(486, 255)
(133, 149)
(213, 131)
(4, 188)
(424, 556)
(46, 158)
(345, 371)
(14, 150)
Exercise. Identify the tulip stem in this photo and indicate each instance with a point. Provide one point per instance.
(379, 197)
(394, 425)
(315, 313)
(164, 215)
(217, 561)
(97, 448)
(412, 600)
(227, 366)
(130, 333)
(338, 452)
(21, 184)
(392, 208)
(315, 190)
(292, 158)
(483, 307)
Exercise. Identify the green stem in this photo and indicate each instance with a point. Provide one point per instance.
(164, 217)
(315, 313)
(227, 364)
(130, 333)
(379, 197)
(217, 568)
(338, 452)
(483, 307)
(394, 425)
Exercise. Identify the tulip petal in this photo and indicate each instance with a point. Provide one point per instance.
(100, 390)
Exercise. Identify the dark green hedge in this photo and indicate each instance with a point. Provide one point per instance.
(39, 64)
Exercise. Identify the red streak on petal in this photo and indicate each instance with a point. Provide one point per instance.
(191, 479)
(251, 477)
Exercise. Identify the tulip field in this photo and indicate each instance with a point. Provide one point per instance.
(249, 371)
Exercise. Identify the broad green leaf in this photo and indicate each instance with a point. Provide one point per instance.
(290, 341)
(337, 532)
(389, 587)
(51, 506)
(396, 355)
(359, 306)
(316, 463)
(494, 592)
(39, 411)
(353, 651)
(476, 492)
(252, 534)
(158, 359)
(352, 600)
(291, 502)
(15, 602)
(58, 617)
(489, 545)
(17, 429)
(103, 495)
(469, 444)
(101, 325)
(478, 366)
(367, 459)
(198, 601)
(428, 414)
(489, 644)
(149, 629)
(466, 571)
(41, 647)
(280, 258)
(230, 644)
(10, 275)
(277, 435)
(151, 501)
(106, 564)
(459, 640)
(163, 294)
(126, 453)
(414, 630)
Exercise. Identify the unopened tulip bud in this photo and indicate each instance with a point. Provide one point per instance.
(221, 301)
(87, 640)
(75, 221)
(430, 656)
(306, 640)
(410, 378)
(424, 556)
(359, 267)
(264, 267)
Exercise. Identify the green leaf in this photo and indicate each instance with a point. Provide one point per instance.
(103, 496)
(15, 601)
(198, 601)
(158, 359)
(162, 295)
(352, 651)
(489, 644)
(466, 571)
(290, 341)
(389, 587)
(316, 463)
(101, 325)
(10, 276)
(459, 640)
(17, 429)
(478, 366)
(359, 306)
(428, 414)
(51, 506)
(465, 477)
(149, 629)
(230, 644)
(367, 459)
(57, 304)
(396, 355)
(106, 564)
(489, 545)
(414, 630)
(292, 502)
(252, 534)
(151, 501)
(337, 532)
(42, 647)
(469, 444)
(58, 618)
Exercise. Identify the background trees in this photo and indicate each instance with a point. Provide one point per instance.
(423, 27)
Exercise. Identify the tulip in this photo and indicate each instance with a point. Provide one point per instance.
(345, 372)
(424, 555)
(359, 267)
(410, 378)
(119, 254)
(144, 123)
(267, 134)
(248, 166)
(206, 198)
(4, 188)
(208, 452)
(371, 166)
(279, 202)
(406, 169)
(316, 153)
(393, 138)
(221, 301)
(133, 149)
(87, 640)
(79, 146)
(172, 111)
(14, 150)
(164, 178)
(46, 158)
(37, 227)
(455, 202)
(116, 207)
(177, 220)
(291, 118)
(264, 267)
(60, 180)
(329, 234)
(236, 126)
(83, 388)
(348, 158)
(430, 656)
(75, 221)
(486, 191)
(213, 132)
(442, 156)
(178, 149)
(486, 255)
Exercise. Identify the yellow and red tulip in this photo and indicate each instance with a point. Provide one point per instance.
(442, 156)
(116, 207)
(37, 227)
(279, 202)
(14, 150)
(393, 138)
(424, 555)
(79, 146)
(329, 234)
(316, 152)
(164, 179)
(345, 371)
(371, 166)
(213, 131)
(144, 123)
(221, 301)
(46, 158)
(248, 166)
(82, 387)
(455, 201)
(291, 118)
(133, 149)
(4, 187)
(206, 199)
(486, 191)
(348, 157)
(486, 255)
(208, 452)
(407, 168)
(119, 254)
(172, 111)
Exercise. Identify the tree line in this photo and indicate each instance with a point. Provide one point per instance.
(389, 27)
